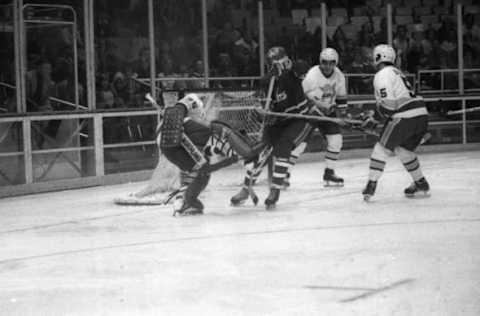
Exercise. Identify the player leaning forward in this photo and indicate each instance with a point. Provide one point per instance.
(190, 143)
(324, 86)
(406, 124)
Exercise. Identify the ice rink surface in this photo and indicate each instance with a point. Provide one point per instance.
(323, 251)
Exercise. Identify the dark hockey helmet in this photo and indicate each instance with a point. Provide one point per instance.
(300, 68)
(278, 61)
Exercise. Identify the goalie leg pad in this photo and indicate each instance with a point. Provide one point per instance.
(171, 130)
(198, 184)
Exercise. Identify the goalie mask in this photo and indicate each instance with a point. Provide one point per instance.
(328, 60)
(278, 61)
(194, 105)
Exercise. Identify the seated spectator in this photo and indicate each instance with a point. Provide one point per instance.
(401, 45)
(105, 97)
(225, 38)
(120, 91)
(225, 68)
(339, 41)
(381, 37)
(241, 54)
(166, 67)
(40, 87)
(471, 34)
(141, 66)
(415, 57)
(198, 72)
(448, 50)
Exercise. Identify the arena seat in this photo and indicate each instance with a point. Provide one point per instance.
(359, 20)
(403, 19)
(339, 12)
(429, 19)
(422, 10)
(403, 11)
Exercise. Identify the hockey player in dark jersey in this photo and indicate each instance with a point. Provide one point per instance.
(189, 142)
(284, 134)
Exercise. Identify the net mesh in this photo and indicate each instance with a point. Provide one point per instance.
(239, 110)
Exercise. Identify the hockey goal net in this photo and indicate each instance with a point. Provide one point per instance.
(236, 108)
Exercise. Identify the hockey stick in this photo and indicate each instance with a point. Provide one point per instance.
(477, 108)
(342, 122)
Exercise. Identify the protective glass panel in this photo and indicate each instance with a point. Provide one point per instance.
(434, 49)
(55, 74)
(179, 44)
(62, 149)
(12, 168)
(129, 143)
(61, 133)
(354, 38)
(471, 47)
(233, 34)
(7, 60)
(122, 53)
(63, 165)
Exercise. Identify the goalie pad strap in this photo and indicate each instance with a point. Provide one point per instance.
(171, 130)
(193, 151)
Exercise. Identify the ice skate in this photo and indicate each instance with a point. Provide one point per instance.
(419, 188)
(331, 180)
(369, 190)
(240, 197)
(272, 199)
(182, 208)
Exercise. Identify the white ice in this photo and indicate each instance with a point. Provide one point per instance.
(322, 252)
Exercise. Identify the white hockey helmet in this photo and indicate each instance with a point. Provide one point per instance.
(328, 60)
(194, 105)
(328, 54)
(278, 61)
(383, 53)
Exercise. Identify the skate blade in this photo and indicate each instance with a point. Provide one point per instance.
(238, 203)
(419, 195)
(270, 207)
(328, 184)
(185, 214)
(367, 197)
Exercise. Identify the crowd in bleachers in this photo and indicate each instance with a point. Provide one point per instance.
(424, 35)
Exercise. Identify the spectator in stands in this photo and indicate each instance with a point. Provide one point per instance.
(40, 87)
(105, 96)
(241, 54)
(198, 72)
(471, 34)
(448, 50)
(366, 35)
(431, 47)
(224, 69)
(120, 90)
(339, 40)
(226, 38)
(415, 57)
(401, 45)
(166, 67)
(141, 66)
(382, 36)
(181, 53)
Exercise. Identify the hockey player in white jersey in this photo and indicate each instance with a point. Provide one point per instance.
(324, 86)
(406, 124)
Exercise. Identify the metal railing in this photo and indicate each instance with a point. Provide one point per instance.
(427, 74)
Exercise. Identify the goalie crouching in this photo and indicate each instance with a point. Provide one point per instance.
(190, 143)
